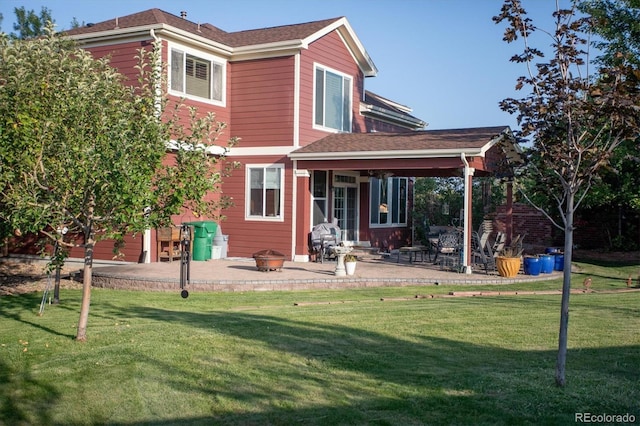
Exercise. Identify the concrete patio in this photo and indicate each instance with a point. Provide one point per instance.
(241, 274)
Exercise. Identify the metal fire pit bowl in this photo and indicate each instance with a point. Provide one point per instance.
(269, 260)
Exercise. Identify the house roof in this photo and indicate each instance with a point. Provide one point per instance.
(424, 144)
(384, 109)
(239, 44)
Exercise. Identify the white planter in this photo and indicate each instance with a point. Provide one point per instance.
(350, 267)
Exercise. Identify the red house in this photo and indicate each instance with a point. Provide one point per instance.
(315, 144)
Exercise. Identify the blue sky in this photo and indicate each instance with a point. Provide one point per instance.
(443, 58)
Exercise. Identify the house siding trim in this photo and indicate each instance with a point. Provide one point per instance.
(383, 155)
(259, 151)
(296, 100)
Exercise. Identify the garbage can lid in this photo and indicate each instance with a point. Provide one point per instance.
(209, 225)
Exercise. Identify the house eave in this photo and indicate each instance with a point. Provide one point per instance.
(383, 155)
(268, 50)
(160, 30)
(350, 38)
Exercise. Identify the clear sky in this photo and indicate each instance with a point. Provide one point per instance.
(443, 58)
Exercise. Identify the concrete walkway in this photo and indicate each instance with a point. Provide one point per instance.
(241, 274)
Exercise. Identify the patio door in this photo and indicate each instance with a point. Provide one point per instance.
(345, 204)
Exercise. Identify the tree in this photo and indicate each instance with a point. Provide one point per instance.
(81, 150)
(574, 121)
(29, 24)
(617, 25)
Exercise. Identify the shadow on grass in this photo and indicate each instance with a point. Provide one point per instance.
(368, 377)
(24, 399)
(20, 308)
(454, 381)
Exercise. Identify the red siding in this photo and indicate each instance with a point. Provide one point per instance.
(103, 250)
(122, 57)
(261, 93)
(249, 236)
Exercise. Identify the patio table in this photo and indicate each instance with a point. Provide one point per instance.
(413, 251)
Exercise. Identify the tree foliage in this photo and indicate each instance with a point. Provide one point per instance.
(617, 23)
(81, 150)
(575, 121)
(29, 24)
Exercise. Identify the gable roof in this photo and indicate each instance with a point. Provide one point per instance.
(424, 144)
(238, 45)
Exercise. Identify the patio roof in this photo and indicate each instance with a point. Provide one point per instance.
(419, 153)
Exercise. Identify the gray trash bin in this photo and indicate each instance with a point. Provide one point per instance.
(222, 241)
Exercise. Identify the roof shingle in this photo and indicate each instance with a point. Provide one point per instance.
(469, 138)
(211, 32)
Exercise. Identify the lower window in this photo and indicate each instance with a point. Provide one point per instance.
(388, 201)
(264, 191)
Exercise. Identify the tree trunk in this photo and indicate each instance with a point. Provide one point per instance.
(86, 290)
(566, 291)
(56, 288)
(87, 274)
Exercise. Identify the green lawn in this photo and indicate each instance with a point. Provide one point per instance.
(322, 357)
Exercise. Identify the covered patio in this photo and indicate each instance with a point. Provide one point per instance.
(464, 153)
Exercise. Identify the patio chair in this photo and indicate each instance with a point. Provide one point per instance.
(498, 244)
(447, 249)
(481, 251)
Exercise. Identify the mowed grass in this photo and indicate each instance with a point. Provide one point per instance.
(366, 356)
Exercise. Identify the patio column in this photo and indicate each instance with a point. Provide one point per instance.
(468, 185)
(301, 215)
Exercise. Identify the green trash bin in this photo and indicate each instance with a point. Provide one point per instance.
(201, 249)
(204, 231)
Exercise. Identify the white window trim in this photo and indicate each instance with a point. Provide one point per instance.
(326, 197)
(247, 193)
(203, 55)
(390, 225)
(313, 117)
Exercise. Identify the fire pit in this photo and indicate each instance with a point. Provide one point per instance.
(269, 260)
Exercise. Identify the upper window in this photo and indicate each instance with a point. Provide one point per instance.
(265, 192)
(199, 75)
(332, 100)
(388, 201)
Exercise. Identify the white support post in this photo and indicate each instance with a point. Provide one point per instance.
(466, 248)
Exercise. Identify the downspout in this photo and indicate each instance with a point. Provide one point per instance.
(146, 237)
(468, 172)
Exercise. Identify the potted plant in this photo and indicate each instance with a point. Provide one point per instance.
(532, 264)
(350, 263)
(508, 262)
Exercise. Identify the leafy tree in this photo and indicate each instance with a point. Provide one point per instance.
(575, 122)
(29, 24)
(81, 150)
(617, 25)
